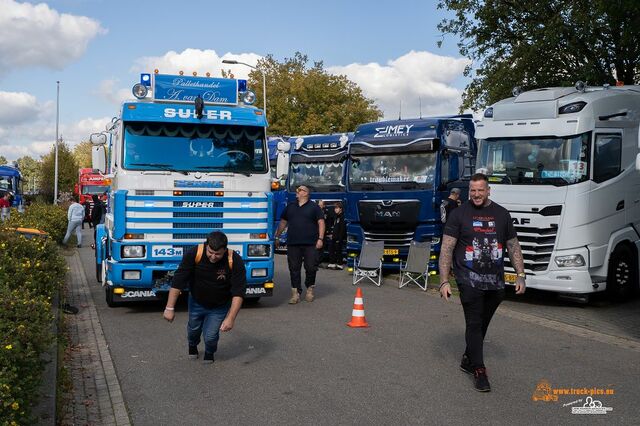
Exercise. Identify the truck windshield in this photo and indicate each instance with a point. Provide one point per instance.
(194, 147)
(95, 189)
(318, 176)
(5, 183)
(392, 172)
(539, 160)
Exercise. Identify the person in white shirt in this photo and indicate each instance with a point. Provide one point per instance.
(75, 215)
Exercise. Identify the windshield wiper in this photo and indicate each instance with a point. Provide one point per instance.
(410, 185)
(224, 169)
(369, 186)
(161, 166)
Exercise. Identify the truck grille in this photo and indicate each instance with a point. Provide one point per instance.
(396, 239)
(537, 245)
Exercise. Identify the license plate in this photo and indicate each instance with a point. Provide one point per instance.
(166, 251)
(509, 278)
(390, 252)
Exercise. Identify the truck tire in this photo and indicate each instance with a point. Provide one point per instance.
(622, 277)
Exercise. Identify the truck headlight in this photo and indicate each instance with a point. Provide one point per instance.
(132, 251)
(570, 261)
(258, 250)
(259, 272)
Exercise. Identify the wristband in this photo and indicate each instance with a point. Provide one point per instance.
(169, 309)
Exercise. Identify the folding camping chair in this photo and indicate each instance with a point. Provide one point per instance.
(369, 264)
(416, 269)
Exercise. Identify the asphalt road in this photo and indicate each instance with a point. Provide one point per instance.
(301, 364)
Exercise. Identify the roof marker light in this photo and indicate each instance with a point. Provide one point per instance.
(195, 74)
(208, 74)
(181, 72)
(299, 142)
(343, 140)
(516, 91)
(580, 86)
(156, 71)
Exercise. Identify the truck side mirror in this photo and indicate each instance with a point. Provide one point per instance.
(282, 165)
(638, 162)
(99, 158)
(98, 139)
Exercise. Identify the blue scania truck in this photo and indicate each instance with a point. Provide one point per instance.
(398, 173)
(187, 157)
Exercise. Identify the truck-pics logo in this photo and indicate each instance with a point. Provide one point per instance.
(393, 131)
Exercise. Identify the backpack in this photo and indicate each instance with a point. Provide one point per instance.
(200, 252)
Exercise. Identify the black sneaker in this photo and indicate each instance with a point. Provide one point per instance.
(193, 352)
(208, 358)
(465, 365)
(481, 380)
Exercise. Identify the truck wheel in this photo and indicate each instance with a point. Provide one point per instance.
(622, 277)
(108, 292)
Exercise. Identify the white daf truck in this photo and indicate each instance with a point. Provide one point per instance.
(565, 162)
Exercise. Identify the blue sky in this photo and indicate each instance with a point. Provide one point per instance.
(98, 48)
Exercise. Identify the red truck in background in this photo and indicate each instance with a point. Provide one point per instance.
(90, 182)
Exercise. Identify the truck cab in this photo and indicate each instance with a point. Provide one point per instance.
(398, 172)
(562, 160)
(11, 182)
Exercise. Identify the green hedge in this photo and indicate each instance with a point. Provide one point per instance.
(32, 271)
(49, 218)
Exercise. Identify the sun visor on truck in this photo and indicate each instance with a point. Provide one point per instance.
(316, 157)
(387, 147)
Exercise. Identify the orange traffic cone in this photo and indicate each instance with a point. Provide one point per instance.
(357, 316)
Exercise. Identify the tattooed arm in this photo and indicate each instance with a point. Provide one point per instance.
(517, 261)
(444, 264)
(446, 257)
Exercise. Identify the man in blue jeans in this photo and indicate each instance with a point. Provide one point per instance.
(216, 280)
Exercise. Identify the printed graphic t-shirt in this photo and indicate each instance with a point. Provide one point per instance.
(479, 252)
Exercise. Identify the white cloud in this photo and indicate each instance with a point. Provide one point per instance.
(414, 78)
(36, 35)
(108, 89)
(27, 127)
(200, 61)
(17, 107)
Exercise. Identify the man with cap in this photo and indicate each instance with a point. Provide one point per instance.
(450, 203)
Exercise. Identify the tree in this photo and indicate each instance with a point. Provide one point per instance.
(542, 43)
(3, 160)
(306, 100)
(82, 154)
(67, 171)
(30, 170)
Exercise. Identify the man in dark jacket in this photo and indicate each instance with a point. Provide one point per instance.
(217, 283)
(338, 238)
(448, 204)
(97, 216)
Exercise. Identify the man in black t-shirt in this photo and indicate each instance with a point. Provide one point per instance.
(474, 240)
(216, 280)
(449, 203)
(305, 236)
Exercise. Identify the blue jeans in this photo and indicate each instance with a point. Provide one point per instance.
(206, 322)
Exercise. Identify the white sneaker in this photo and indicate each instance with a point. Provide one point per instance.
(331, 266)
(339, 267)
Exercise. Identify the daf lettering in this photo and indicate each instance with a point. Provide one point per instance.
(521, 221)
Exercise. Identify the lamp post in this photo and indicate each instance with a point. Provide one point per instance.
(55, 173)
(264, 80)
